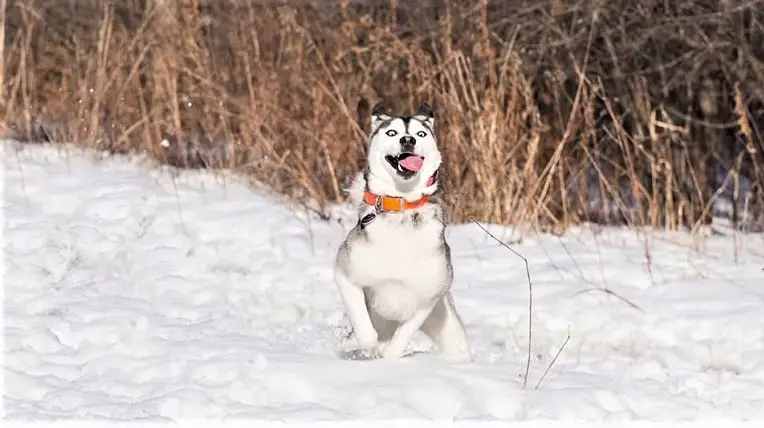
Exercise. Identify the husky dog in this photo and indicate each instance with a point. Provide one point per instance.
(393, 270)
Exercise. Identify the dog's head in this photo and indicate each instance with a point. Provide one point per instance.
(403, 154)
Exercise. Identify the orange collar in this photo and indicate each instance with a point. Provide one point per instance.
(390, 203)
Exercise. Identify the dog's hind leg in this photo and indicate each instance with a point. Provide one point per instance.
(445, 328)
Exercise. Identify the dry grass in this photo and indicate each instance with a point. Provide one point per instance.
(539, 105)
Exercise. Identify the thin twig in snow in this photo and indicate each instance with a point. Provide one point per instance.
(21, 174)
(612, 293)
(551, 363)
(599, 259)
(309, 228)
(177, 202)
(573, 259)
(530, 299)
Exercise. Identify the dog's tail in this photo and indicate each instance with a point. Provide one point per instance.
(357, 188)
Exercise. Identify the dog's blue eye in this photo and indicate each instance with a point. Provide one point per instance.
(391, 133)
(421, 134)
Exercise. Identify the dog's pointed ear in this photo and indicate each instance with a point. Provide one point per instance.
(378, 115)
(426, 114)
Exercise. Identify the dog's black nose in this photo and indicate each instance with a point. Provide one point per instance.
(408, 143)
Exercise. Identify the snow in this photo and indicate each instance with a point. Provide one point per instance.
(131, 293)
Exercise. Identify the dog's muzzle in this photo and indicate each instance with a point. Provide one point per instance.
(407, 144)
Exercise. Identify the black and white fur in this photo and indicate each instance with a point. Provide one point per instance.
(393, 270)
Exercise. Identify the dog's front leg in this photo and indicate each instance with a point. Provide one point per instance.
(355, 305)
(404, 333)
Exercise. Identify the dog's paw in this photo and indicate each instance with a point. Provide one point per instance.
(348, 343)
(390, 350)
(367, 339)
(354, 341)
(367, 344)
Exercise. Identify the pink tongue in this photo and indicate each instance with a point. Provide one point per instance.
(412, 163)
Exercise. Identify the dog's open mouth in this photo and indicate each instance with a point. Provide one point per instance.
(406, 164)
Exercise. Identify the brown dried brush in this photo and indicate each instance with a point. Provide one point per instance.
(538, 107)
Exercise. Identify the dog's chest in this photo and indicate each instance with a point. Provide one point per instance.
(401, 249)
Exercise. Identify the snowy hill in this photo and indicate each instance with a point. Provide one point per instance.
(132, 296)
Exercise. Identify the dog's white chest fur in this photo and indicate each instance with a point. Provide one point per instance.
(399, 258)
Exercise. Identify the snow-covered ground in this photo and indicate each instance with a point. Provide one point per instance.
(128, 295)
